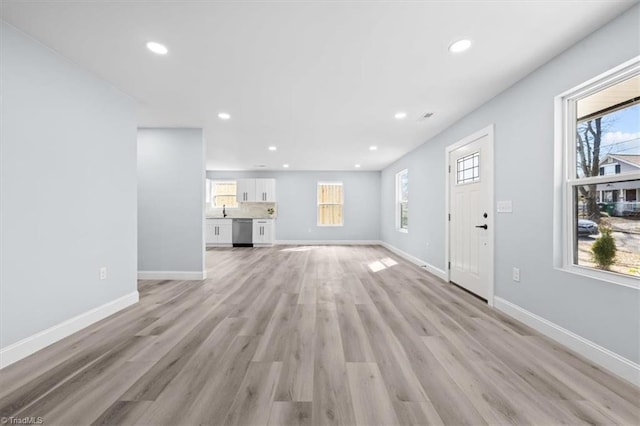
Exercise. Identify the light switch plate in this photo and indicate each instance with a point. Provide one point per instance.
(505, 207)
(516, 274)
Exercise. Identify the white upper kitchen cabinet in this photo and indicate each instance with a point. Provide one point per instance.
(256, 190)
(266, 190)
(246, 190)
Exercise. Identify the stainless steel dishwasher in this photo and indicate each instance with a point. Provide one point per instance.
(243, 232)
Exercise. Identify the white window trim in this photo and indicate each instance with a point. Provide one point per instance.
(565, 172)
(332, 204)
(399, 227)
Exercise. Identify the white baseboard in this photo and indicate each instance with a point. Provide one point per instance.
(328, 242)
(172, 275)
(605, 358)
(29, 345)
(428, 267)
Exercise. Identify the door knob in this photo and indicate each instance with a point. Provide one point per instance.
(485, 226)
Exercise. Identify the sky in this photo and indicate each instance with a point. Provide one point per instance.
(623, 134)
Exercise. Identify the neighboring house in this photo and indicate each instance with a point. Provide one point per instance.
(624, 195)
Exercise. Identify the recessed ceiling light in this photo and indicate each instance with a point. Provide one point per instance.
(373, 148)
(273, 148)
(357, 166)
(224, 116)
(286, 166)
(460, 46)
(400, 115)
(158, 48)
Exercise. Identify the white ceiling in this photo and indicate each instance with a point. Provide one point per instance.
(321, 80)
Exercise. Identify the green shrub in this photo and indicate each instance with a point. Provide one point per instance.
(604, 249)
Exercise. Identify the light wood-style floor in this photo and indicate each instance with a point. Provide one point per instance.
(311, 336)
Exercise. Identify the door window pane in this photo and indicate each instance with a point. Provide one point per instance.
(468, 168)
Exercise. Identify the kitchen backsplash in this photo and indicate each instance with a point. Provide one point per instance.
(246, 210)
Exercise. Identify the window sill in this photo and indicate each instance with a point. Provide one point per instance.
(403, 230)
(609, 277)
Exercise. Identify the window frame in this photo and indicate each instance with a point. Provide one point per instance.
(398, 203)
(211, 194)
(565, 176)
(474, 168)
(318, 203)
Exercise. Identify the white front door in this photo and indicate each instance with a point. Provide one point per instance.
(470, 221)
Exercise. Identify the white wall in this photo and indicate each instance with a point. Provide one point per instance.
(297, 203)
(523, 115)
(68, 190)
(171, 177)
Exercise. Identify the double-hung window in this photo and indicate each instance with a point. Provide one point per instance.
(598, 177)
(402, 200)
(221, 193)
(330, 204)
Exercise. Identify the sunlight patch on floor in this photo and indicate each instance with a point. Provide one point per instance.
(379, 265)
(388, 262)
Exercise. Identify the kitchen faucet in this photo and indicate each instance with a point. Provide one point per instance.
(224, 211)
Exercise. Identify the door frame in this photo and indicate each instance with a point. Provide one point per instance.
(490, 181)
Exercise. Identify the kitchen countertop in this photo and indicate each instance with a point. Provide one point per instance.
(239, 217)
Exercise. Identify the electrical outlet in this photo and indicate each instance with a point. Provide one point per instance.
(516, 274)
(103, 273)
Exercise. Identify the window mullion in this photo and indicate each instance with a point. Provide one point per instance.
(604, 179)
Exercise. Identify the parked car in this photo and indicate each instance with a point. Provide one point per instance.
(587, 227)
